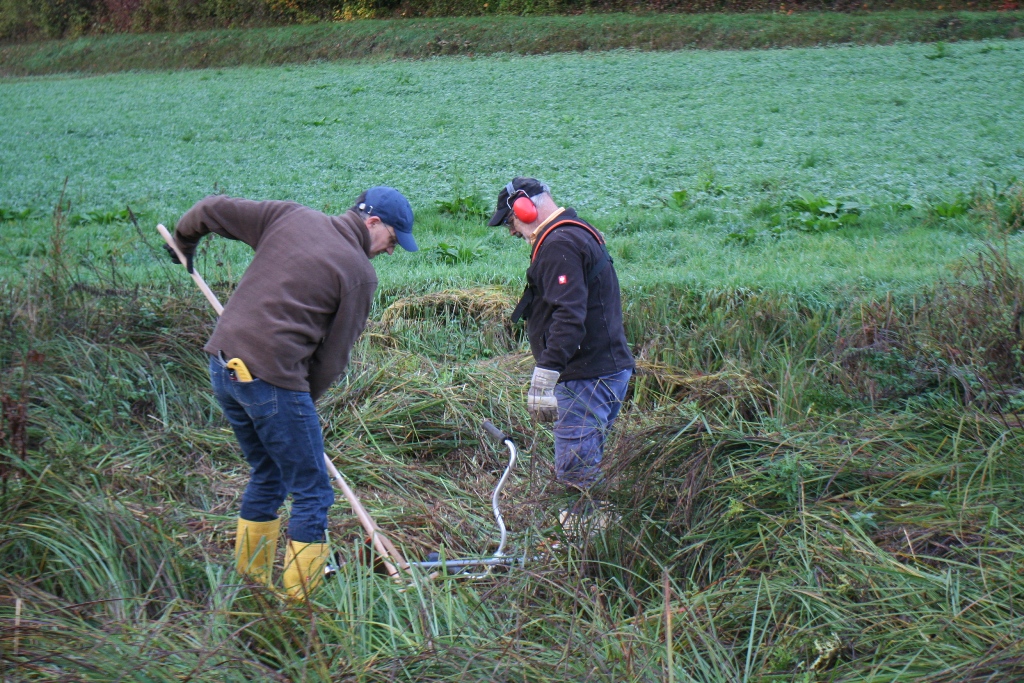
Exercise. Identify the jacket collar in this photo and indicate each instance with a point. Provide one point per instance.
(547, 221)
(350, 224)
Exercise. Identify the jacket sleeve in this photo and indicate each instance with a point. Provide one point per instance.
(236, 219)
(331, 357)
(564, 287)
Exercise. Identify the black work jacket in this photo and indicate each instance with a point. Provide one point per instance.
(575, 328)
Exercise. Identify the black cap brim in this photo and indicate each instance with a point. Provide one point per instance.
(500, 214)
(501, 211)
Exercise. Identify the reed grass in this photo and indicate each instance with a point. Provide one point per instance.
(806, 492)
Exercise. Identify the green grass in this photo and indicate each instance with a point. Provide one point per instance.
(615, 134)
(423, 38)
(820, 495)
(818, 466)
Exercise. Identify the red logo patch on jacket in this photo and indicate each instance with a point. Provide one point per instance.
(562, 279)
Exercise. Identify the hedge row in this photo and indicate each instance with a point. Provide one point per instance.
(34, 19)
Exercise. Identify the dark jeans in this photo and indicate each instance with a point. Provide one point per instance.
(279, 433)
(586, 410)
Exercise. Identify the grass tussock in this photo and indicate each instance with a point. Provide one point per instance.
(802, 492)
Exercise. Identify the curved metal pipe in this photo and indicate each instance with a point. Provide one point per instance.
(513, 455)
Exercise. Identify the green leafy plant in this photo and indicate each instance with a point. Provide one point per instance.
(811, 160)
(464, 203)
(708, 183)
(954, 208)
(939, 52)
(7, 214)
(98, 217)
(745, 238)
(680, 199)
(789, 473)
(453, 254)
(865, 520)
(811, 213)
(465, 206)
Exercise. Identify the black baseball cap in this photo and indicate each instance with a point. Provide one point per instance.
(531, 186)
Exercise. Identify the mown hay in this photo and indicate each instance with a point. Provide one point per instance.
(482, 304)
(725, 393)
(450, 325)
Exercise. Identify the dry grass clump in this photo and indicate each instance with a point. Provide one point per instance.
(450, 325)
(482, 304)
(737, 394)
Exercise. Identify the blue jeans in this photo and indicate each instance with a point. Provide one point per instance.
(279, 433)
(586, 410)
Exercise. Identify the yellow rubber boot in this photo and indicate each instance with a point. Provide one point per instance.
(255, 548)
(303, 568)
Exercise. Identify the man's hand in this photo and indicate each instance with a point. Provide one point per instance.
(187, 248)
(540, 399)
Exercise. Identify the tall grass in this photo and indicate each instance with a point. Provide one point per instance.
(806, 492)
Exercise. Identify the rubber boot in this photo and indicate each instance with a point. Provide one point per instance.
(255, 548)
(303, 568)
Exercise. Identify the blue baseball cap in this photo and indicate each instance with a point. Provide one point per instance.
(393, 208)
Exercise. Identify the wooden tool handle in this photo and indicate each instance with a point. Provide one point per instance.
(381, 543)
(203, 287)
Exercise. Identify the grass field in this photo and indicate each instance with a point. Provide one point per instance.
(615, 134)
(818, 467)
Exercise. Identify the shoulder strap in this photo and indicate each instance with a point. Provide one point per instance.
(558, 224)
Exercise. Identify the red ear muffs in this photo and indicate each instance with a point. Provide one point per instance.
(524, 210)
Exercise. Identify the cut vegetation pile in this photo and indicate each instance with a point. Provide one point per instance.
(807, 493)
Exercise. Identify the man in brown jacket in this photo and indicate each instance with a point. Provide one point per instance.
(292, 321)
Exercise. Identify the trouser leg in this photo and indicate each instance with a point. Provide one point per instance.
(587, 409)
(295, 442)
(279, 432)
(265, 492)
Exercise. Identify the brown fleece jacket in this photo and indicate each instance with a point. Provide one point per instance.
(304, 299)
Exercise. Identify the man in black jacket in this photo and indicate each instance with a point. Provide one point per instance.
(574, 321)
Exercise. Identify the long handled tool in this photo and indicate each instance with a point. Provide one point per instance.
(386, 550)
(499, 558)
(203, 287)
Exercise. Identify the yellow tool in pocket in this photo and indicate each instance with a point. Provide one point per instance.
(238, 367)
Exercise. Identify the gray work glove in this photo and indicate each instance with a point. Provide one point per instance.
(540, 399)
(187, 248)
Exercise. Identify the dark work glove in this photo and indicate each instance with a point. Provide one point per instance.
(187, 248)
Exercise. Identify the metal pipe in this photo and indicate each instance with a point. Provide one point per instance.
(492, 561)
(499, 557)
(513, 454)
